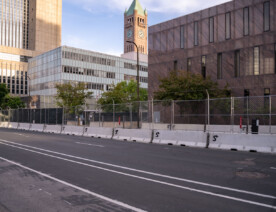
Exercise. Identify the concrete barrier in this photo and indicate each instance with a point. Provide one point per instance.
(52, 129)
(181, 138)
(138, 135)
(98, 132)
(72, 130)
(37, 127)
(4, 124)
(24, 126)
(243, 142)
(13, 125)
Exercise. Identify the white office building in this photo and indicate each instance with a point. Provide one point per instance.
(68, 64)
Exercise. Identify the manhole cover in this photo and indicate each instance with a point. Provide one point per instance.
(251, 175)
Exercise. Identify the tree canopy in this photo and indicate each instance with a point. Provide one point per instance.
(7, 101)
(3, 92)
(70, 95)
(12, 102)
(181, 85)
(123, 92)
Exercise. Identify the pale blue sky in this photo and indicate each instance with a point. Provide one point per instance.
(97, 25)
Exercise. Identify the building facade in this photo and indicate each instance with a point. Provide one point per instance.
(67, 64)
(232, 43)
(27, 28)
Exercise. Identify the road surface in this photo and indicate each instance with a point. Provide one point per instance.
(48, 172)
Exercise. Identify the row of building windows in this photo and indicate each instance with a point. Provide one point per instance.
(228, 24)
(237, 63)
(130, 48)
(16, 81)
(134, 67)
(131, 77)
(87, 58)
(95, 86)
(88, 72)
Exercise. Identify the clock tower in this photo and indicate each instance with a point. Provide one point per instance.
(136, 28)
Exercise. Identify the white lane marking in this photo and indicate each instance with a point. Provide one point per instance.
(272, 167)
(76, 187)
(67, 202)
(150, 180)
(149, 173)
(48, 193)
(21, 135)
(89, 144)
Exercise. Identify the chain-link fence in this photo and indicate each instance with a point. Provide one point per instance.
(237, 112)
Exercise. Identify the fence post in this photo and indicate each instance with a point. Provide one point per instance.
(270, 115)
(247, 114)
(232, 114)
(172, 114)
(113, 112)
(152, 114)
(130, 111)
(208, 110)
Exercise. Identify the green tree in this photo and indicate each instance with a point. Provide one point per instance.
(180, 85)
(3, 92)
(70, 95)
(12, 102)
(122, 94)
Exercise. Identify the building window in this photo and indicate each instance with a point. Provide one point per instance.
(182, 39)
(211, 29)
(189, 64)
(237, 63)
(245, 21)
(175, 65)
(196, 33)
(219, 68)
(266, 16)
(228, 25)
(246, 93)
(203, 66)
(256, 61)
(266, 98)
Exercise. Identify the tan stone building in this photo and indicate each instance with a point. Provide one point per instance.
(27, 28)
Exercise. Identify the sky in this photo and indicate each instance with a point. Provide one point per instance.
(98, 25)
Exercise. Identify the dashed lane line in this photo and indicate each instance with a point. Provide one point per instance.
(89, 144)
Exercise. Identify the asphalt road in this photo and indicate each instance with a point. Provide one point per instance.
(47, 172)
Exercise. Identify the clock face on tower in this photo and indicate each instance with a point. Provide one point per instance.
(141, 34)
(129, 33)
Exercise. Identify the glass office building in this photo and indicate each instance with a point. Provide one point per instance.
(67, 64)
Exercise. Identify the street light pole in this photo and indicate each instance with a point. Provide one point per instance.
(138, 82)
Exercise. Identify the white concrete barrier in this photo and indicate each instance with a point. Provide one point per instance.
(13, 125)
(23, 126)
(72, 130)
(52, 129)
(4, 124)
(37, 127)
(243, 142)
(180, 137)
(98, 132)
(138, 135)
